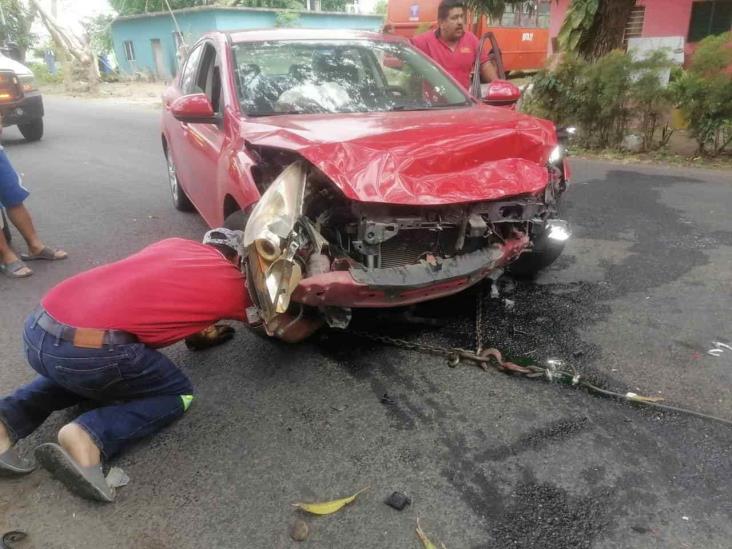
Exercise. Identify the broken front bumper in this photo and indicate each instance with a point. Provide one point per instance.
(406, 285)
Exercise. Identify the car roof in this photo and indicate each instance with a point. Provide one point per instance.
(261, 35)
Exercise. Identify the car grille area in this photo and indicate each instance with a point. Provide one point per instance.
(408, 247)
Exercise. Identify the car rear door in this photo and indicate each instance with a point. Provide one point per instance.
(204, 142)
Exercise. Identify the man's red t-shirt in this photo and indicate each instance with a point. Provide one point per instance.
(458, 62)
(162, 294)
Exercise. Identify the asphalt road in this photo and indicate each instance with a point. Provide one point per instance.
(636, 301)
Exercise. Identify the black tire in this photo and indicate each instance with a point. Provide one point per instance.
(181, 202)
(544, 253)
(236, 221)
(33, 130)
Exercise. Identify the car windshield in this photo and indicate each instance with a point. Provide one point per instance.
(338, 76)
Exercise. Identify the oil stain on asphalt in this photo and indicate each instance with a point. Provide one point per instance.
(500, 482)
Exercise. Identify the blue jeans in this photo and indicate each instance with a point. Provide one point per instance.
(139, 389)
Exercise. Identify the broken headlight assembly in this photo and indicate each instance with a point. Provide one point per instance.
(272, 239)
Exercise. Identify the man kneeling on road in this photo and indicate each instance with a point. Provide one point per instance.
(94, 337)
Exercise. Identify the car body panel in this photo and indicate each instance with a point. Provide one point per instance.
(418, 157)
(452, 157)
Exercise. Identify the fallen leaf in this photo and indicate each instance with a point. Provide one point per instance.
(327, 507)
(425, 540)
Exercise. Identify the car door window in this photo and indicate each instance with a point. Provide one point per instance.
(188, 83)
(209, 77)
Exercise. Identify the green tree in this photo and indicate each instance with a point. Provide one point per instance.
(16, 24)
(99, 32)
(381, 7)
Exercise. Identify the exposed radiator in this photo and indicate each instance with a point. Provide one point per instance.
(407, 247)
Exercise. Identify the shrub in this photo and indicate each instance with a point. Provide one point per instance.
(604, 99)
(43, 76)
(704, 94)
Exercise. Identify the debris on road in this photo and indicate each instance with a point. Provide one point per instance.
(718, 349)
(328, 507)
(117, 478)
(299, 530)
(425, 540)
(398, 501)
(386, 399)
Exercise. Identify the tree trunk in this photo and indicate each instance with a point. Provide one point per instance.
(72, 49)
(608, 28)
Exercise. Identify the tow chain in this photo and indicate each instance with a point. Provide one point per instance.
(492, 358)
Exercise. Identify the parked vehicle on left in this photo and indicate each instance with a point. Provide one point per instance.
(21, 103)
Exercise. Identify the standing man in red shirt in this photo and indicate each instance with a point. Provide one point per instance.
(454, 48)
(94, 337)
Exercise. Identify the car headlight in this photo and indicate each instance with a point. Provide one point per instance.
(272, 242)
(27, 83)
(276, 213)
(555, 157)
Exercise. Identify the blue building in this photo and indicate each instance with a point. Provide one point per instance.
(149, 42)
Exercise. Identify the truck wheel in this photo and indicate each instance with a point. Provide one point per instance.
(180, 200)
(544, 253)
(33, 130)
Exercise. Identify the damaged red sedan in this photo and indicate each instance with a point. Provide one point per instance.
(363, 174)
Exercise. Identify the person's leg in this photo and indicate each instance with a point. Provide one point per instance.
(9, 258)
(21, 218)
(155, 393)
(12, 195)
(27, 408)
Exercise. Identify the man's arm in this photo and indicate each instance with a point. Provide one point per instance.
(488, 72)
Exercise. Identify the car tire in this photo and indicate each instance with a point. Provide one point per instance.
(237, 220)
(180, 200)
(33, 130)
(544, 252)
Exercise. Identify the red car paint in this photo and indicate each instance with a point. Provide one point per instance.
(457, 155)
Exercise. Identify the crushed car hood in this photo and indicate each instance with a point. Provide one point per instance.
(419, 157)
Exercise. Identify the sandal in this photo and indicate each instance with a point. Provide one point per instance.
(12, 464)
(88, 482)
(46, 253)
(12, 269)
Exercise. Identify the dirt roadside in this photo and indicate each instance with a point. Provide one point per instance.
(136, 93)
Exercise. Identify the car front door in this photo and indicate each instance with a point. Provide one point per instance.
(204, 142)
(177, 132)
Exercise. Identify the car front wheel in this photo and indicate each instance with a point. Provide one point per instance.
(180, 200)
(33, 130)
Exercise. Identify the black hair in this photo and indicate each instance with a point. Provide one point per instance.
(229, 253)
(445, 6)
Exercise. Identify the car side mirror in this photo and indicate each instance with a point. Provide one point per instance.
(194, 109)
(501, 93)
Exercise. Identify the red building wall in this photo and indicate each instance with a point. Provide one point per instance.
(666, 17)
(662, 17)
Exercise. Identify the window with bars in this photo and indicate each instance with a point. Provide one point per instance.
(129, 50)
(634, 25)
(708, 18)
